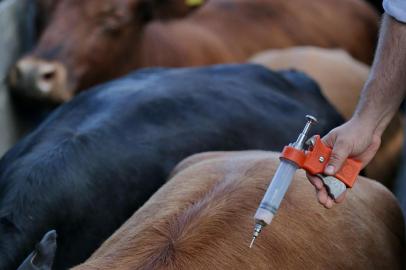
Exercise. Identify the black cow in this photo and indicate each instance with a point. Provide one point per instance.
(98, 158)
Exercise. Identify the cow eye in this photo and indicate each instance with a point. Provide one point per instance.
(114, 21)
(111, 25)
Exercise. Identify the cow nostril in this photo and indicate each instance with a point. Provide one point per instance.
(47, 76)
(35, 78)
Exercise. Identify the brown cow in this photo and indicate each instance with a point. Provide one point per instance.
(341, 79)
(88, 42)
(203, 219)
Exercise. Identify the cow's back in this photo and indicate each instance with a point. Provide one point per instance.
(247, 27)
(203, 219)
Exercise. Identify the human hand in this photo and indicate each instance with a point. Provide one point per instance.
(353, 139)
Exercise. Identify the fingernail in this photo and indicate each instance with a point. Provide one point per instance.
(329, 169)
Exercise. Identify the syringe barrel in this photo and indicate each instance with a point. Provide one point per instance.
(276, 191)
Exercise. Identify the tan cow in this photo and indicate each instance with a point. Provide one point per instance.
(203, 219)
(341, 79)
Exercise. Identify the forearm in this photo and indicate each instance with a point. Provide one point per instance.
(386, 85)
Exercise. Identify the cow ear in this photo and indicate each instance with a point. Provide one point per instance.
(167, 9)
(43, 256)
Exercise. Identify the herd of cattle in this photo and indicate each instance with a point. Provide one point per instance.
(116, 178)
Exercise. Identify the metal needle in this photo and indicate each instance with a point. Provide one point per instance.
(252, 241)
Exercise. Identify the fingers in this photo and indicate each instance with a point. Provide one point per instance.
(325, 200)
(322, 194)
(316, 181)
(329, 203)
(322, 197)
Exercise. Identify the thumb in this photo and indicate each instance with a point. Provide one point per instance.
(340, 153)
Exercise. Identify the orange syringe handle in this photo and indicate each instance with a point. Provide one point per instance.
(315, 161)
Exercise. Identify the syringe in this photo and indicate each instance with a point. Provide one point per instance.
(279, 185)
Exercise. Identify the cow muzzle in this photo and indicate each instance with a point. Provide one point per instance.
(38, 79)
